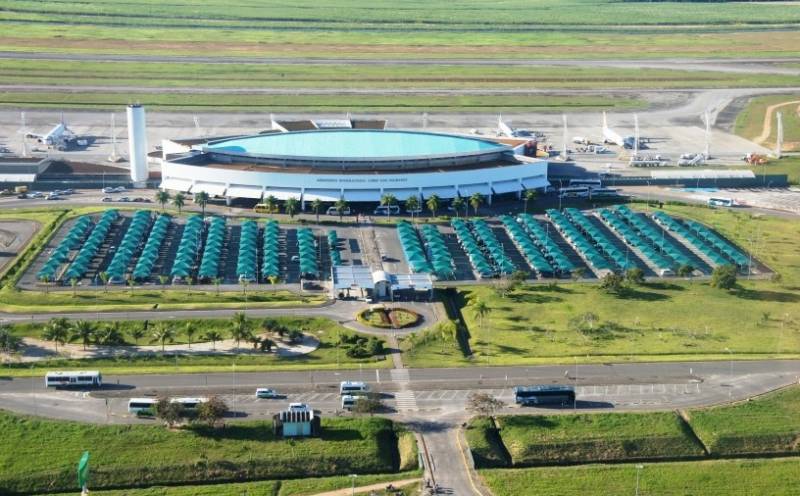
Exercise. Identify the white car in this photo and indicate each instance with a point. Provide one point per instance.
(266, 393)
(298, 407)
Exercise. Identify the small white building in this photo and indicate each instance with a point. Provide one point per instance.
(359, 281)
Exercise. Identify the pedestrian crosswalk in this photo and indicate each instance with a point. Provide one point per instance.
(405, 400)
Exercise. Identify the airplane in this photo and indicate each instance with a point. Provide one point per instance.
(613, 137)
(60, 137)
(507, 131)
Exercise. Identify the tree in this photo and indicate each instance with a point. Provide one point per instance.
(74, 283)
(190, 329)
(162, 333)
(84, 331)
(412, 205)
(171, 413)
(634, 275)
(255, 340)
(216, 281)
(475, 201)
(9, 343)
(266, 345)
(163, 280)
(136, 334)
(457, 203)
(110, 335)
(529, 195)
(578, 273)
(240, 327)
(271, 202)
(483, 404)
(57, 331)
(201, 198)
(212, 411)
(612, 283)
(213, 336)
(388, 200)
(131, 282)
(433, 203)
(179, 201)
(480, 310)
(46, 281)
(685, 270)
(316, 206)
(162, 198)
(724, 277)
(105, 278)
(291, 206)
(366, 404)
(341, 207)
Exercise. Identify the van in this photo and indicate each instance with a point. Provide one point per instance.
(333, 211)
(349, 401)
(387, 210)
(353, 388)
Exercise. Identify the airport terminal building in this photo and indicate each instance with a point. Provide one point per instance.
(358, 165)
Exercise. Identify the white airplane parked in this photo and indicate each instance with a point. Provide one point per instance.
(59, 137)
(507, 131)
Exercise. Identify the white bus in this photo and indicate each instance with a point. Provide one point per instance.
(353, 388)
(189, 403)
(387, 210)
(75, 378)
(589, 183)
(721, 202)
(604, 193)
(136, 405)
(574, 192)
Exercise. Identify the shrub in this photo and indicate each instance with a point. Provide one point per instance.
(724, 277)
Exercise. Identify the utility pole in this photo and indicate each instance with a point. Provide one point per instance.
(114, 157)
(779, 140)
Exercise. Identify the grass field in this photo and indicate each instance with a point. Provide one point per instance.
(750, 121)
(329, 354)
(787, 165)
(653, 322)
(774, 477)
(150, 455)
(765, 425)
(342, 27)
(485, 444)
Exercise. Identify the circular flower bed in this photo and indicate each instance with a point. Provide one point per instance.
(389, 318)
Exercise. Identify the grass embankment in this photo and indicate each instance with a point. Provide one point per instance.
(656, 321)
(484, 441)
(329, 355)
(548, 28)
(774, 477)
(766, 425)
(750, 121)
(46, 452)
(15, 300)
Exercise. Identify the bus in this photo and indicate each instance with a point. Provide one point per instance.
(544, 395)
(721, 202)
(189, 403)
(75, 378)
(262, 208)
(589, 183)
(604, 193)
(136, 405)
(353, 388)
(574, 192)
(387, 210)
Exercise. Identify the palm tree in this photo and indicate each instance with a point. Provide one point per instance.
(240, 327)
(74, 283)
(162, 198)
(136, 334)
(163, 333)
(131, 283)
(217, 281)
(316, 205)
(481, 310)
(433, 204)
(271, 202)
(105, 278)
(179, 201)
(341, 206)
(163, 280)
(190, 329)
(388, 200)
(56, 331)
(291, 206)
(213, 336)
(412, 205)
(83, 330)
(475, 201)
(110, 334)
(529, 195)
(457, 203)
(46, 281)
(201, 198)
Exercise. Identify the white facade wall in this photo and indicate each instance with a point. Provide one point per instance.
(531, 174)
(137, 143)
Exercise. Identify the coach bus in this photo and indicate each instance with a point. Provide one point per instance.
(574, 192)
(189, 403)
(544, 395)
(589, 183)
(77, 378)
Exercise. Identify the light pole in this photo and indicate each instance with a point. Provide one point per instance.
(235, 414)
(575, 401)
(638, 472)
(353, 486)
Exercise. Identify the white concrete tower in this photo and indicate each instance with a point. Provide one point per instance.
(137, 143)
(779, 137)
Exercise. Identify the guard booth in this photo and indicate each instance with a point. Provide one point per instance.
(296, 423)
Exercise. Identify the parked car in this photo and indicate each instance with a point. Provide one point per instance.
(107, 199)
(124, 199)
(120, 189)
(298, 407)
(107, 190)
(266, 393)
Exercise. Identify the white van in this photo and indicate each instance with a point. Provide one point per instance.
(353, 388)
(333, 211)
(387, 210)
(349, 402)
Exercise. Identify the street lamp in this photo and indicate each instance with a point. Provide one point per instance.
(353, 486)
(638, 472)
(575, 401)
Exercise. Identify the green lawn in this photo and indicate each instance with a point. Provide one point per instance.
(46, 451)
(654, 322)
(764, 425)
(750, 121)
(554, 439)
(772, 477)
(329, 354)
(485, 444)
